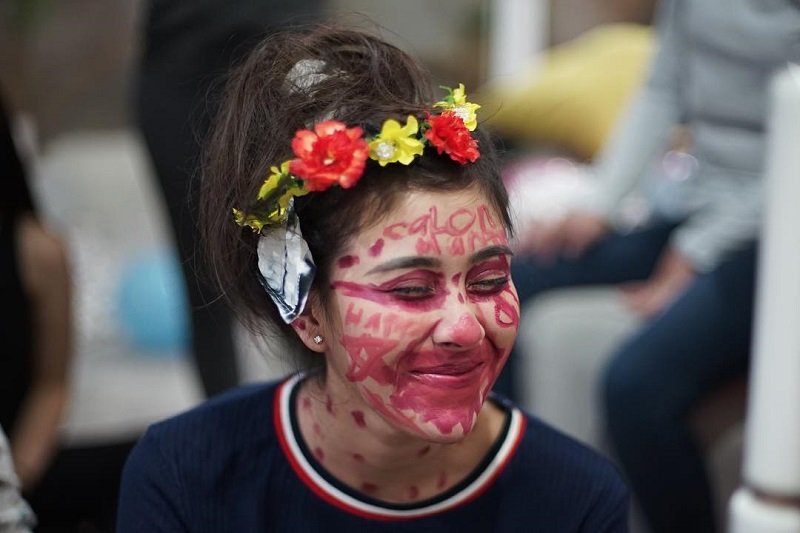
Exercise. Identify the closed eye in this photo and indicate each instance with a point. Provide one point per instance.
(413, 292)
(489, 285)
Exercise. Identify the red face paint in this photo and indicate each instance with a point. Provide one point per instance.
(366, 358)
(422, 355)
(460, 229)
(490, 280)
(419, 290)
(352, 316)
(347, 261)
(358, 417)
(374, 322)
(329, 404)
(375, 249)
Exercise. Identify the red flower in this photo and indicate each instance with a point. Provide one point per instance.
(448, 133)
(332, 153)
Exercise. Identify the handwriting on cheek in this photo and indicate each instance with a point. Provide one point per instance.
(506, 314)
(506, 302)
(467, 229)
(366, 358)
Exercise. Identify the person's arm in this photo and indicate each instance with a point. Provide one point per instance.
(728, 225)
(639, 136)
(45, 276)
(151, 492)
(647, 124)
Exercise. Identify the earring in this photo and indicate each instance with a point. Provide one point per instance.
(318, 339)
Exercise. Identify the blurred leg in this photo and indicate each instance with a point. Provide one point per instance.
(701, 342)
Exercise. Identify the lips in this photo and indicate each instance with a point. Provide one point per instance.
(449, 369)
(450, 376)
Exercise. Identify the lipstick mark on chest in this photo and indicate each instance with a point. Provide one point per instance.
(358, 417)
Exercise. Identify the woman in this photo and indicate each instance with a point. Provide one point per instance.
(382, 245)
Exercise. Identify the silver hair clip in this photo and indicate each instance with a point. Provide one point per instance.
(286, 266)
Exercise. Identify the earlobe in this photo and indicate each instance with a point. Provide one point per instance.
(308, 328)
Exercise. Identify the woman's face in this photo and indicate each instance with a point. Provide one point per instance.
(423, 313)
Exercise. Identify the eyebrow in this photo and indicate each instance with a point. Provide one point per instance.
(406, 262)
(430, 262)
(491, 251)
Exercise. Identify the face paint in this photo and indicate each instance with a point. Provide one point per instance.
(421, 339)
(375, 249)
(329, 405)
(358, 417)
(347, 261)
(369, 488)
(409, 291)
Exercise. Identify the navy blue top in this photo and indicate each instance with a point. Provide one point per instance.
(238, 463)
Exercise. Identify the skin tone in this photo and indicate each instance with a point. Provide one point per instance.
(45, 276)
(420, 318)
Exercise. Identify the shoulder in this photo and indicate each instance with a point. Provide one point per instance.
(569, 478)
(242, 413)
(209, 435)
(544, 444)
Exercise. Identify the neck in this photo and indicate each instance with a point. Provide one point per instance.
(364, 451)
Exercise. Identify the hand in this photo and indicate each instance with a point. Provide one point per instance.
(650, 297)
(570, 236)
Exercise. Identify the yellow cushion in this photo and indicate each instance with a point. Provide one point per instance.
(573, 97)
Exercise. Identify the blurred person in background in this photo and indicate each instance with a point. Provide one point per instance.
(690, 270)
(15, 514)
(187, 47)
(36, 323)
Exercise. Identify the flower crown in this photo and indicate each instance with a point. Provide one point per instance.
(333, 154)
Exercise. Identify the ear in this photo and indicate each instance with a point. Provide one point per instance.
(309, 328)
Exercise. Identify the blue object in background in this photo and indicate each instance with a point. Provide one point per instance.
(152, 304)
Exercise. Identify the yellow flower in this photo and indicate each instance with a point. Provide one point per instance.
(247, 220)
(456, 101)
(273, 198)
(396, 143)
(274, 180)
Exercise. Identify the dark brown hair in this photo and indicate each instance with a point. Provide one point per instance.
(363, 81)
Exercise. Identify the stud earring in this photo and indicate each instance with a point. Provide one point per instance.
(318, 339)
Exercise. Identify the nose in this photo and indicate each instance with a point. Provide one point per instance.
(459, 331)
